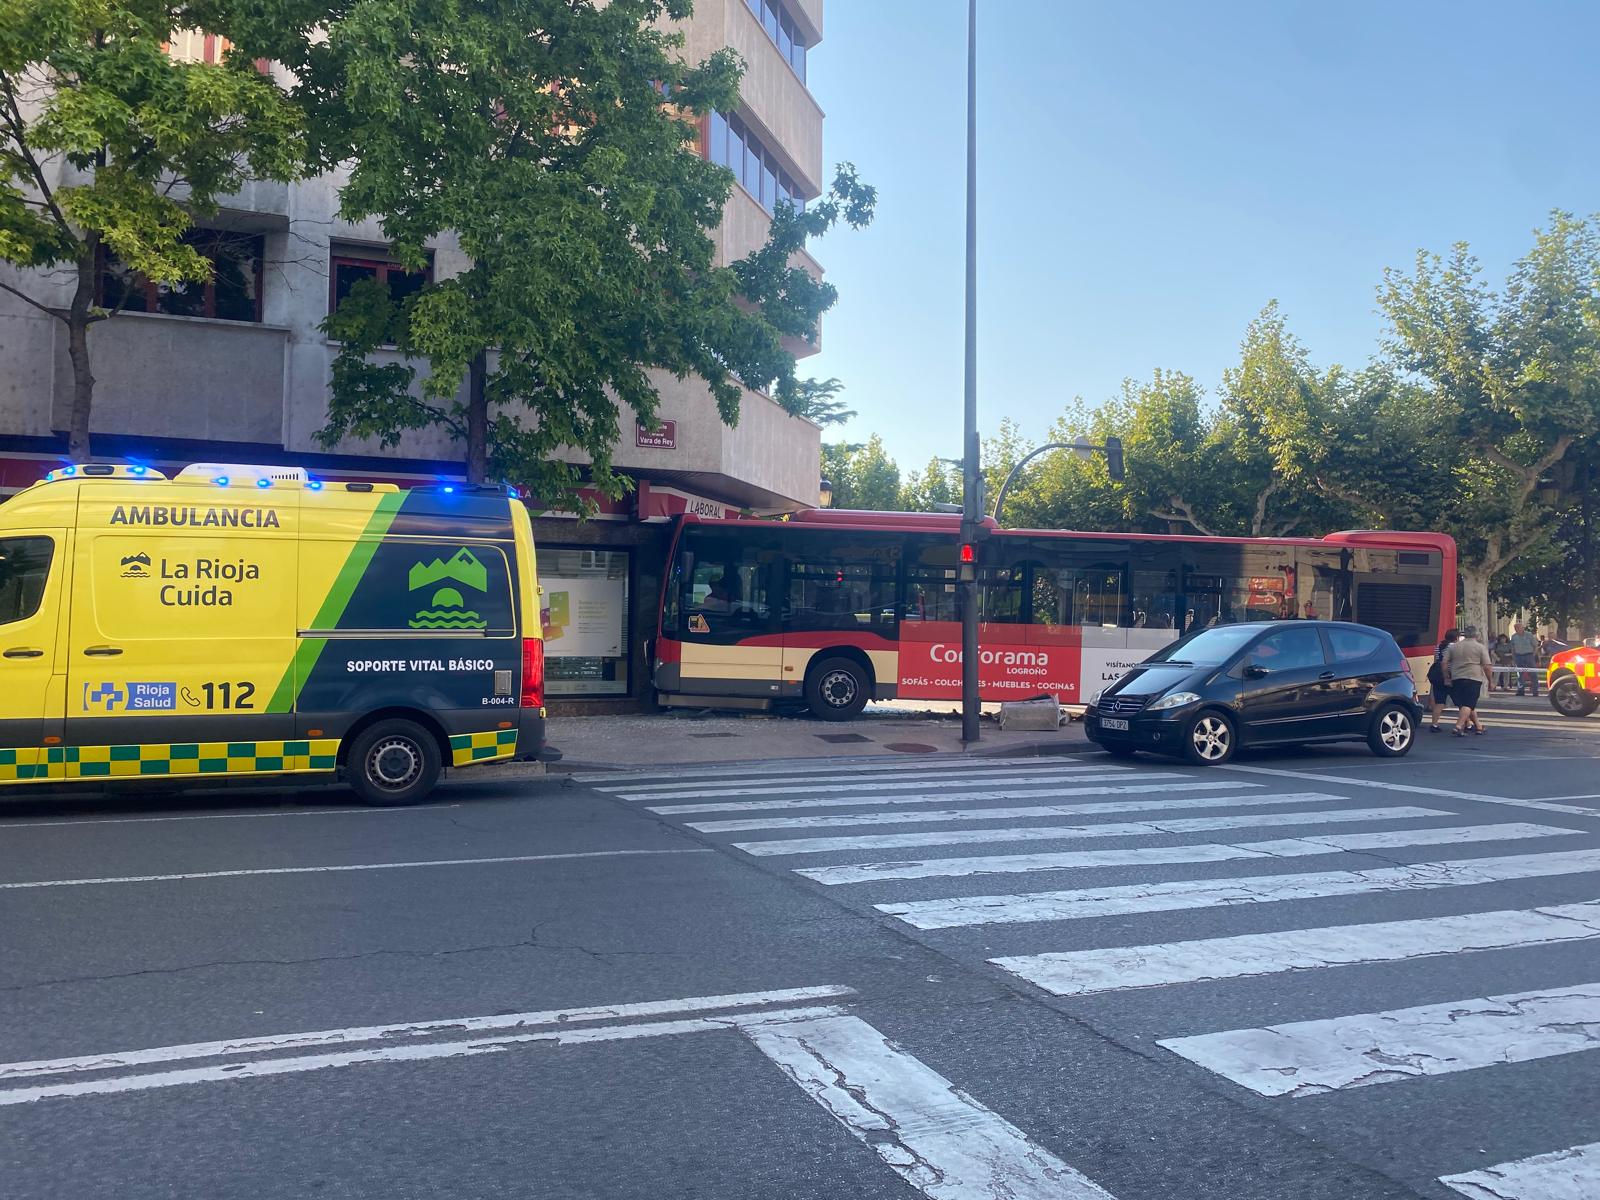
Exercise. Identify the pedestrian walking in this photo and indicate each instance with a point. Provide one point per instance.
(1502, 655)
(1466, 669)
(1439, 687)
(1525, 653)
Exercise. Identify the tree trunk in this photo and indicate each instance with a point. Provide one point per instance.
(478, 418)
(1475, 597)
(78, 320)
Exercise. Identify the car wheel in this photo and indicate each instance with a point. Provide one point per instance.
(1393, 732)
(837, 689)
(393, 763)
(1210, 738)
(1119, 751)
(1569, 699)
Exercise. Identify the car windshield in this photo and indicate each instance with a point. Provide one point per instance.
(1207, 648)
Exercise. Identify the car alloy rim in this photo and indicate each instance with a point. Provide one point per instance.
(1211, 738)
(1395, 730)
(394, 763)
(1568, 696)
(838, 688)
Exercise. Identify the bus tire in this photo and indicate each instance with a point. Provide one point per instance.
(394, 762)
(837, 689)
(1569, 699)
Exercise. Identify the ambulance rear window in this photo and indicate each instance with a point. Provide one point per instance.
(24, 568)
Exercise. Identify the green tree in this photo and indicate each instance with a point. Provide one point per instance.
(937, 483)
(1512, 377)
(818, 401)
(109, 143)
(863, 475)
(555, 140)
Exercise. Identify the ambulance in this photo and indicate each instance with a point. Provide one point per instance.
(252, 621)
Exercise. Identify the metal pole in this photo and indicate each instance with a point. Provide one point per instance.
(970, 514)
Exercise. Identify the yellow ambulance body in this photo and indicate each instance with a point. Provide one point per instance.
(239, 620)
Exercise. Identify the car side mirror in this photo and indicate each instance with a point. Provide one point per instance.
(1255, 671)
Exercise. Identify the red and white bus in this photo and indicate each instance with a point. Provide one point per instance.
(838, 608)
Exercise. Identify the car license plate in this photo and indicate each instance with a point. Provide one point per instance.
(1114, 723)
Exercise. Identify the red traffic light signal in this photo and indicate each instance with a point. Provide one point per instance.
(968, 553)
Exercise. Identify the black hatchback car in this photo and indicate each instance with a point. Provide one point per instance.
(1261, 683)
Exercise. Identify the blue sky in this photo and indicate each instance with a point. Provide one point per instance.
(1152, 174)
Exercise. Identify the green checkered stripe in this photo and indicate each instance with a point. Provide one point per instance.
(167, 758)
(479, 747)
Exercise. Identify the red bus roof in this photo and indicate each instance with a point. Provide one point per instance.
(950, 523)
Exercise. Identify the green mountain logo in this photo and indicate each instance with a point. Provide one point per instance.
(447, 608)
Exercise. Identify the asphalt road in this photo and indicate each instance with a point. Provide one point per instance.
(1314, 975)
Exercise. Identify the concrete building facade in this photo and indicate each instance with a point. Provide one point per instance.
(238, 370)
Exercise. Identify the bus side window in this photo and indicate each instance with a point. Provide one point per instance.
(24, 570)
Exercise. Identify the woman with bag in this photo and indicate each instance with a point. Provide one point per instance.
(1436, 680)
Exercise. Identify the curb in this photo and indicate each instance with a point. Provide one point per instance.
(1040, 748)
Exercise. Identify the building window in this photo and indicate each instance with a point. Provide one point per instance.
(730, 143)
(346, 270)
(783, 30)
(584, 610)
(233, 293)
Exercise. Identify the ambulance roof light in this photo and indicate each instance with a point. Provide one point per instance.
(69, 471)
(220, 481)
(314, 485)
(205, 471)
(263, 482)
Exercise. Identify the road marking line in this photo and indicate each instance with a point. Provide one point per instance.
(898, 784)
(1562, 1175)
(1310, 777)
(1119, 968)
(1307, 1058)
(1055, 833)
(412, 1029)
(935, 1136)
(229, 1072)
(395, 866)
(811, 766)
(1211, 893)
(1051, 793)
(1140, 856)
(1588, 796)
(73, 823)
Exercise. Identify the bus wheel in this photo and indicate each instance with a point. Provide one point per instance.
(1569, 699)
(837, 689)
(393, 762)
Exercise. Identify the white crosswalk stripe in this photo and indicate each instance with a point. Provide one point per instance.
(1305, 1058)
(953, 814)
(1332, 843)
(989, 814)
(1209, 893)
(873, 785)
(1572, 1174)
(1119, 968)
(1056, 833)
(1046, 792)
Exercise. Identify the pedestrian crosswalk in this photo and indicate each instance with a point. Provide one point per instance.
(1316, 884)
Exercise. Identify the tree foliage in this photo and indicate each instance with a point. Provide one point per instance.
(555, 140)
(863, 476)
(107, 142)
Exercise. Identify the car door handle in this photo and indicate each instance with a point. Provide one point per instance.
(1327, 675)
(102, 651)
(24, 652)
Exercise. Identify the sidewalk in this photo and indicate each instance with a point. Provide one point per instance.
(695, 736)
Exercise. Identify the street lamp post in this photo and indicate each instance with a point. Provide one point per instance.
(1081, 446)
(970, 511)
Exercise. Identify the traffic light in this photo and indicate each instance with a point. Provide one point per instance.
(967, 560)
(1114, 458)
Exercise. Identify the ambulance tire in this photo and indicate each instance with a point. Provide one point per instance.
(392, 763)
(1569, 699)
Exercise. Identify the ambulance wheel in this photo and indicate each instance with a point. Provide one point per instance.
(1569, 699)
(837, 689)
(392, 763)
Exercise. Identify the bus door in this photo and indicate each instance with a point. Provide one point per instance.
(728, 621)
